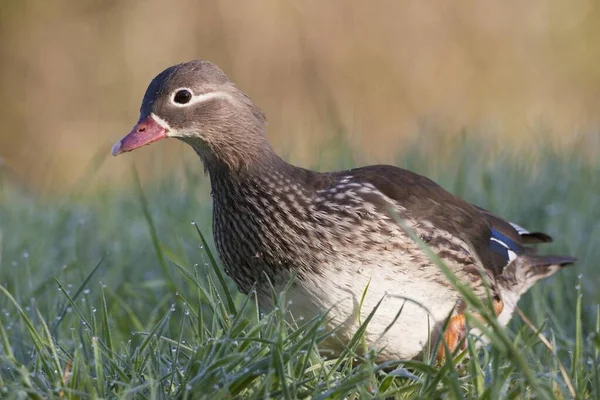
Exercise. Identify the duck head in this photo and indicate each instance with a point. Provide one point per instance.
(197, 103)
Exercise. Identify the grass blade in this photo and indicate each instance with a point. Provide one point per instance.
(79, 290)
(153, 232)
(217, 270)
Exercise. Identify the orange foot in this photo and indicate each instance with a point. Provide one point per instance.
(457, 331)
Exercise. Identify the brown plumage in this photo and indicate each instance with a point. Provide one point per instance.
(336, 232)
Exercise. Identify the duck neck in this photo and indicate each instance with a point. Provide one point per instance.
(251, 208)
(252, 174)
(235, 148)
(246, 163)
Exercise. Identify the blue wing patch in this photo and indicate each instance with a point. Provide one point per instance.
(505, 246)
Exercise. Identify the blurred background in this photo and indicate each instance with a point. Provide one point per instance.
(377, 74)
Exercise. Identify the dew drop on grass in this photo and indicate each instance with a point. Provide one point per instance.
(25, 255)
(93, 309)
(188, 387)
(193, 223)
(86, 291)
(172, 307)
(187, 312)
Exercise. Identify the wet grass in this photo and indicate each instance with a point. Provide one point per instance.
(117, 295)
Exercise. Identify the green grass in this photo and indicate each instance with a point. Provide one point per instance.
(115, 294)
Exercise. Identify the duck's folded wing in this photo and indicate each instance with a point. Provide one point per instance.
(424, 200)
(493, 241)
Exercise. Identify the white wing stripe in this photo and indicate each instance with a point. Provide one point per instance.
(520, 230)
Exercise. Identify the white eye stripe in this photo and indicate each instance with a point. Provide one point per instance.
(199, 98)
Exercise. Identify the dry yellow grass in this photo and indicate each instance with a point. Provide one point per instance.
(73, 72)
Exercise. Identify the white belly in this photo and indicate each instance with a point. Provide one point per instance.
(412, 305)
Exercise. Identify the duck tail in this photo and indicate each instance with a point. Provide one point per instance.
(527, 269)
(550, 261)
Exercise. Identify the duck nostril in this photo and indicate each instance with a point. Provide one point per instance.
(141, 129)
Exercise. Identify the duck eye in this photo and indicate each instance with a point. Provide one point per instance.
(182, 96)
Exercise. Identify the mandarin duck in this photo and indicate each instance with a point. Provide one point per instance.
(336, 234)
